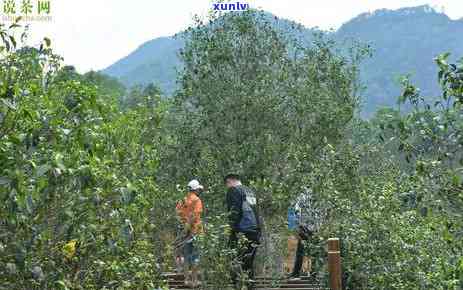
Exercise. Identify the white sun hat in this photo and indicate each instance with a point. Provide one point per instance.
(195, 185)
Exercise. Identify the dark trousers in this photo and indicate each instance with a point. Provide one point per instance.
(246, 253)
(299, 258)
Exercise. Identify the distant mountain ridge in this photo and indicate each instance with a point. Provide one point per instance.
(404, 41)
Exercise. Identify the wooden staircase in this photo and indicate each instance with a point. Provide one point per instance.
(176, 281)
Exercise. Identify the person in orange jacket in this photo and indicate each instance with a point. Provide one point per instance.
(189, 211)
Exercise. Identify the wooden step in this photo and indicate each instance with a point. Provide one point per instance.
(176, 281)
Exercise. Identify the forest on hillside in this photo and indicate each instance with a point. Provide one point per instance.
(90, 174)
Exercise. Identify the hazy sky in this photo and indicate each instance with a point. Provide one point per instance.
(92, 34)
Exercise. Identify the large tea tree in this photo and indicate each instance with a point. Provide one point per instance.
(256, 102)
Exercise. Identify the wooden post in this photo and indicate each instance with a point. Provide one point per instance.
(334, 264)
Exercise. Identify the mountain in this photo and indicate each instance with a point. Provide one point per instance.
(154, 61)
(404, 41)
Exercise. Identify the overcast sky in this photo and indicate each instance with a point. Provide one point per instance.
(92, 34)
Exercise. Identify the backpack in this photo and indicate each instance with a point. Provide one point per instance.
(249, 218)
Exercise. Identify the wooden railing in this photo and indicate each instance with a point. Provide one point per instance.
(334, 264)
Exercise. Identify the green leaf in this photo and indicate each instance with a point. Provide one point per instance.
(69, 213)
(62, 285)
(47, 41)
(28, 114)
(9, 104)
(14, 25)
(59, 161)
(456, 179)
(29, 204)
(13, 41)
(42, 170)
(4, 180)
(441, 73)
